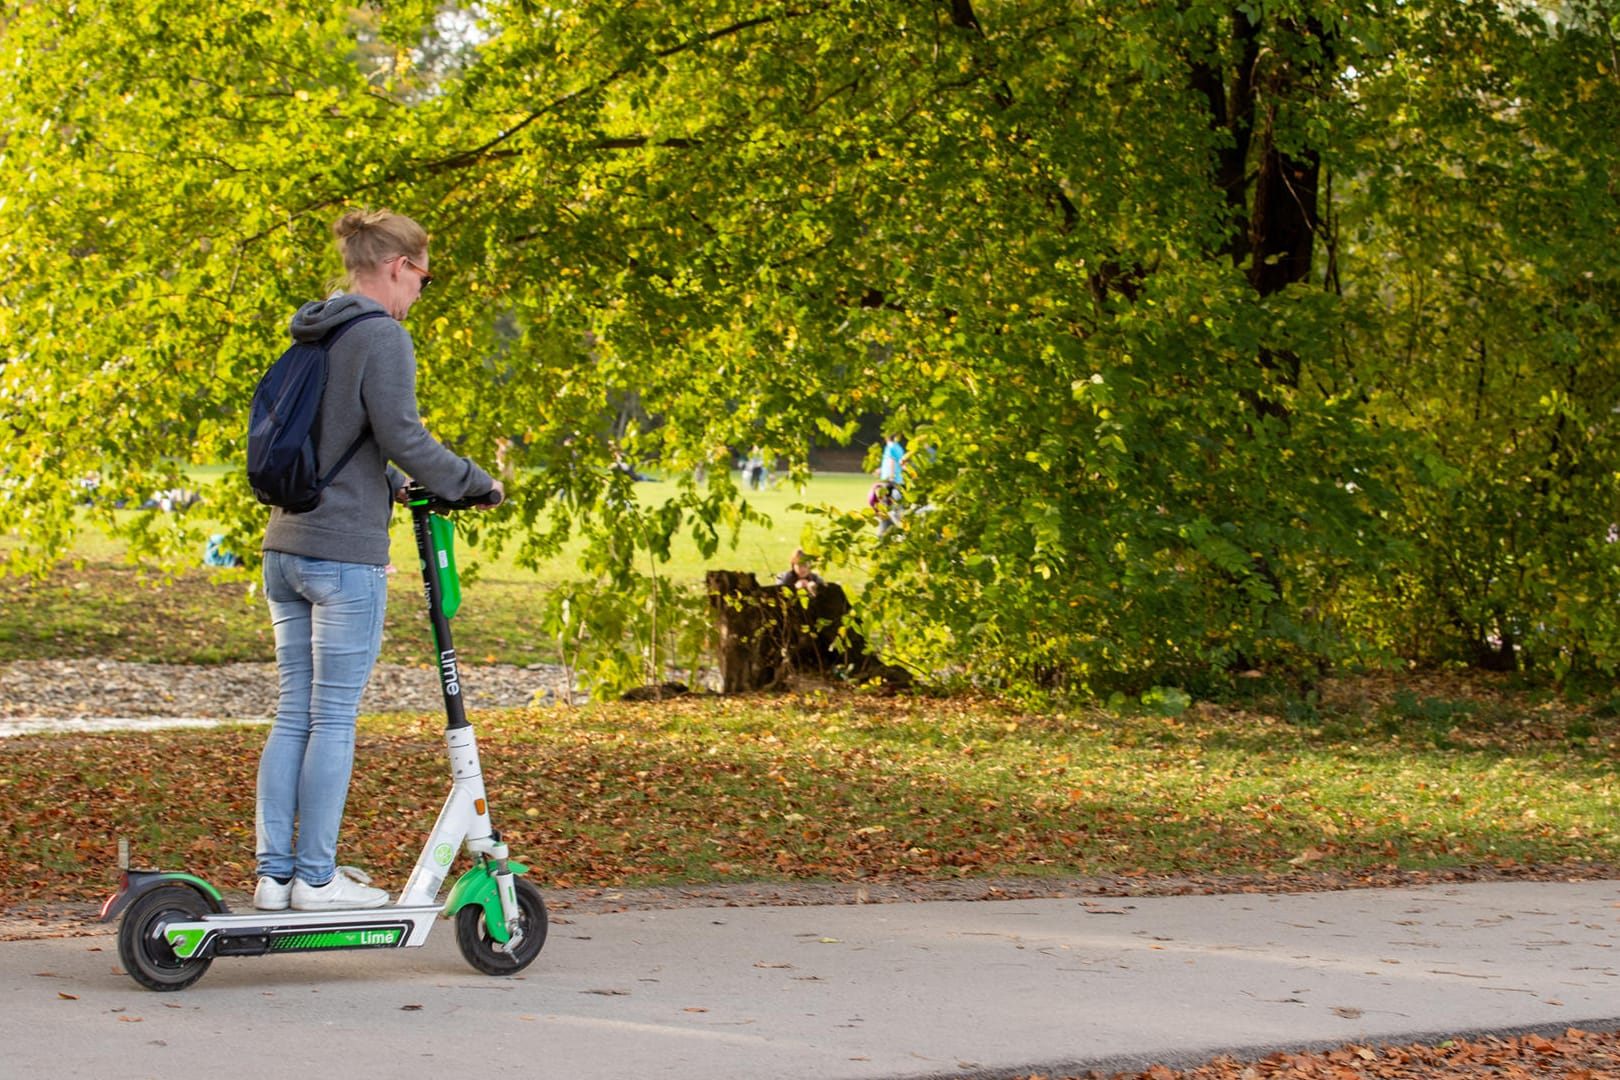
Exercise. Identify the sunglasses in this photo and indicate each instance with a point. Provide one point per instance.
(427, 278)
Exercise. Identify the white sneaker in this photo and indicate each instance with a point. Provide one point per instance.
(272, 895)
(347, 889)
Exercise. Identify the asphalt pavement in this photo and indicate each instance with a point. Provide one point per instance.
(935, 989)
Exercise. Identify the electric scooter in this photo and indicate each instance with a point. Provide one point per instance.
(174, 924)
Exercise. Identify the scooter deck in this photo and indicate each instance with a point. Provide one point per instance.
(259, 932)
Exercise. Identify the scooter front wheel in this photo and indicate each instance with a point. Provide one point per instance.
(492, 957)
(143, 946)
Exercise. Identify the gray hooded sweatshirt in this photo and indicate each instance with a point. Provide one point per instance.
(370, 387)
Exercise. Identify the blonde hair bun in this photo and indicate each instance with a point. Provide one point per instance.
(350, 223)
(368, 238)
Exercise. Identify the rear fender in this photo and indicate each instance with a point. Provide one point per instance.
(134, 884)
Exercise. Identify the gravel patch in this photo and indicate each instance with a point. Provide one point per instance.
(88, 690)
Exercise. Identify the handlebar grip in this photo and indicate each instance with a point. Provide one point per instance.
(417, 495)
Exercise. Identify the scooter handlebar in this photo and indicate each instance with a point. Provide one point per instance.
(417, 495)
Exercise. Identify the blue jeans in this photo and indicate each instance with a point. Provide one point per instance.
(328, 619)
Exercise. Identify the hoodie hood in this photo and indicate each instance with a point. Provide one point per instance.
(317, 318)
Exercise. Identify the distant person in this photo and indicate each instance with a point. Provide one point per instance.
(215, 553)
(89, 485)
(325, 570)
(894, 456)
(620, 464)
(171, 499)
(885, 501)
(754, 472)
(801, 574)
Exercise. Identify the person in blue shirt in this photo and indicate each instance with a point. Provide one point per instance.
(894, 456)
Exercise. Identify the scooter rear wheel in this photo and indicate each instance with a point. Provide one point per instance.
(144, 949)
(492, 957)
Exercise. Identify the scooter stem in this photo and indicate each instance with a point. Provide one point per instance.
(438, 568)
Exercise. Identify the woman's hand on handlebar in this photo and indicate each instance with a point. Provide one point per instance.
(417, 495)
(496, 496)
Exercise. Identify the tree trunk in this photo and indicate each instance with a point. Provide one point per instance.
(1273, 193)
(768, 634)
(749, 632)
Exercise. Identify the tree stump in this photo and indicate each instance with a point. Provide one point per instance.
(769, 633)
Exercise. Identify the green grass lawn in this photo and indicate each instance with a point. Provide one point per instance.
(764, 550)
(105, 607)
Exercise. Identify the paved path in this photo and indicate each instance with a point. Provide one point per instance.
(894, 990)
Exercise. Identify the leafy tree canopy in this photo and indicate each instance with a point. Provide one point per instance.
(1222, 335)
